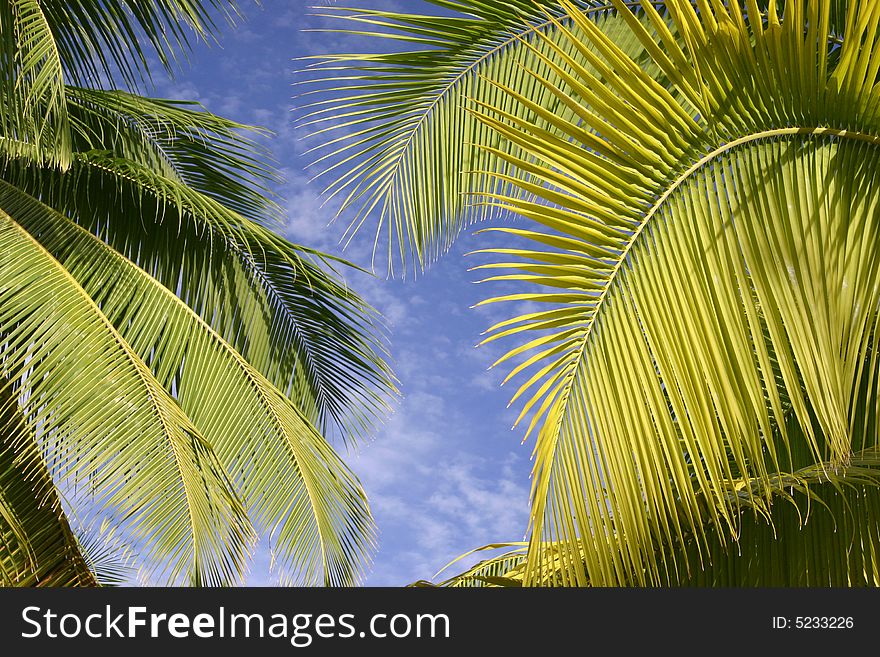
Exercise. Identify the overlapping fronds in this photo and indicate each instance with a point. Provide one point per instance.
(180, 141)
(178, 366)
(707, 249)
(393, 138)
(33, 111)
(293, 483)
(49, 43)
(78, 380)
(204, 232)
(499, 570)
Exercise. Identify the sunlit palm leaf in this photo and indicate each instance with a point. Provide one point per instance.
(167, 351)
(193, 188)
(293, 482)
(500, 570)
(396, 143)
(693, 258)
(154, 471)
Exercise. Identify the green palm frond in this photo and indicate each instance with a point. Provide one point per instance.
(392, 132)
(154, 471)
(33, 112)
(178, 367)
(37, 546)
(707, 252)
(194, 188)
(180, 141)
(291, 480)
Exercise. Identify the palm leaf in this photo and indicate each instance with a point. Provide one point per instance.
(180, 141)
(33, 112)
(196, 186)
(104, 422)
(707, 250)
(391, 129)
(116, 38)
(294, 484)
(500, 570)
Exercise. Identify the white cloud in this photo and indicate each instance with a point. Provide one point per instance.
(433, 497)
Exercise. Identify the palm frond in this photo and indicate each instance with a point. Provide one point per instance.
(104, 422)
(33, 113)
(190, 190)
(392, 132)
(707, 250)
(499, 570)
(180, 141)
(114, 39)
(293, 483)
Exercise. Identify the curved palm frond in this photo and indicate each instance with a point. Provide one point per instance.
(499, 570)
(168, 352)
(78, 379)
(293, 483)
(395, 137)
(707, 250)
(194, 189)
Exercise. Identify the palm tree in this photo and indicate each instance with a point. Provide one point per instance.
(172, 370)
(697, 238)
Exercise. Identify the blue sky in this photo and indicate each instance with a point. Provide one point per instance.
(446, 473)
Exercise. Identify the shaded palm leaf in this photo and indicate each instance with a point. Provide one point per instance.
(37, 546)
(115, 38)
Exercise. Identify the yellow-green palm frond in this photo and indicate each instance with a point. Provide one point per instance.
(182, 192)
(705, 243)
(292, 482)
(503, 569)
(77, 381)
(392, 136)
